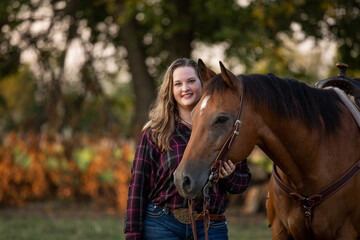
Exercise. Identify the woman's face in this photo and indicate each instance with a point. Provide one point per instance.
(186, 88)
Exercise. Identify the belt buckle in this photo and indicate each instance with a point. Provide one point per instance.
(182, 215)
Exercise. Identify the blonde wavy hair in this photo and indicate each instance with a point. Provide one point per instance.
(164, 111)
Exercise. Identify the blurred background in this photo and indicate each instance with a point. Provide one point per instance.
(77, 79)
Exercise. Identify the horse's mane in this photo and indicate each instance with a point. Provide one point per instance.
(288, 99)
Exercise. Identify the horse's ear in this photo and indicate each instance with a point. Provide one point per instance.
(227, 76)
(205, 72)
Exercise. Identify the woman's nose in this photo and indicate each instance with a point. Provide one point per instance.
(185, 87)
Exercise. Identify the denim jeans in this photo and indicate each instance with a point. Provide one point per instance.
(160, 224)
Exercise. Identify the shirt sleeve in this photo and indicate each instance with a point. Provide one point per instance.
(238, 181)
(139, 188)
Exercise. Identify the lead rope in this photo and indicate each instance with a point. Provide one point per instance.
(192, 219)
(206, 216)
(205, 213)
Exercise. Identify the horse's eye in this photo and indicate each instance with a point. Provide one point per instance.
(221, 120)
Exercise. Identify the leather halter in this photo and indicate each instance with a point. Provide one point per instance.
(308, 203)
(214, 176)
(215, 168)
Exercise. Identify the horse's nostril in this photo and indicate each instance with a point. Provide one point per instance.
(187, 184)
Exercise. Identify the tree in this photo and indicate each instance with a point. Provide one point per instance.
(144, 36)
(45, 30)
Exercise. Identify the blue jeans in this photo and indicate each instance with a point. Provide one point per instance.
(160, 224)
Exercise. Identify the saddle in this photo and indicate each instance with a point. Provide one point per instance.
(351, 86)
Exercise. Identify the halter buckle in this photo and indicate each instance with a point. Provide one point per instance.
(211, 176)
(238, 121)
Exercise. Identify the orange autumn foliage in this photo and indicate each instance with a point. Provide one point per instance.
(36, 167)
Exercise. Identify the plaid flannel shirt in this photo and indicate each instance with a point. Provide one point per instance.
(153, 182)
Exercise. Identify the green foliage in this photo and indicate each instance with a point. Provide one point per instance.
(107, 176)
(83, 157)
(118, 153)
(122, 106)
(54, 163)
(18, 92)
(21, 158)
(251, 31)
(255, 35)
(261, 160)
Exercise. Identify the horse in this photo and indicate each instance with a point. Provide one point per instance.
(307, 132)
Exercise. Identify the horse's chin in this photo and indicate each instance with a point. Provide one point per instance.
(190, 192)
(191, 195)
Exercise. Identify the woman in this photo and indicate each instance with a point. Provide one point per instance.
(155, 208)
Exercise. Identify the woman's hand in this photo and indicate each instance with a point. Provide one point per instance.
(227, 169)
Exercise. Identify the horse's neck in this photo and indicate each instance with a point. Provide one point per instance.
(289, 149)
(310, 159)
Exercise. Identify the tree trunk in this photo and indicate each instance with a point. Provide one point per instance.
(180, 43)
(144, 86)
(143, 83)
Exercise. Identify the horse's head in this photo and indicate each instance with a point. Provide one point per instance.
(213, 122)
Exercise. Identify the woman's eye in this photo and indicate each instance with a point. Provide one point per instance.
(221, 120)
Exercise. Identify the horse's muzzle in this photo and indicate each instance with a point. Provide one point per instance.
(184, 185)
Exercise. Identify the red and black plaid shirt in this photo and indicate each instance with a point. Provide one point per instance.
(153, 182)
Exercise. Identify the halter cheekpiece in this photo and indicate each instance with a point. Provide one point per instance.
(214, 175)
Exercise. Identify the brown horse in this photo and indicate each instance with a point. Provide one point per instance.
(308, 133)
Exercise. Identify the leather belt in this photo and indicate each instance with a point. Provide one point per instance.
(213, 217)
(182, 215)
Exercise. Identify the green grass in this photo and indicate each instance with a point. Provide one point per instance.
(60, 228)
(90, 227)
(244, 231)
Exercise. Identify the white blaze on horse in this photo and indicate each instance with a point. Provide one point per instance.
(309, 134)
